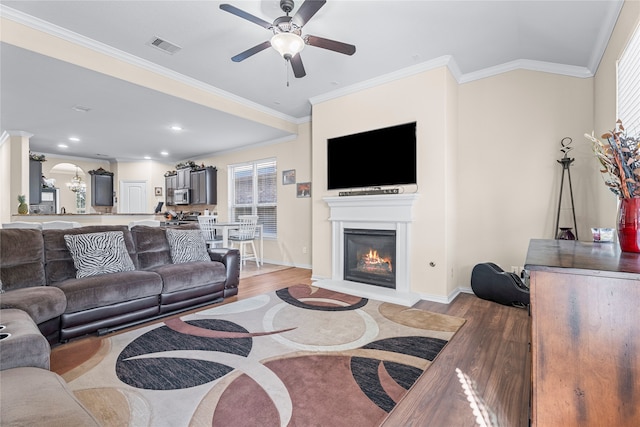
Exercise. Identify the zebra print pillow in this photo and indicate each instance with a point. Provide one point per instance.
(187, 246)
(98, 253)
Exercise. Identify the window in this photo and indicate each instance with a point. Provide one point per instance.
(629, 85)
(253, 191)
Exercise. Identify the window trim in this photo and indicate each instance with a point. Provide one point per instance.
(255, 205)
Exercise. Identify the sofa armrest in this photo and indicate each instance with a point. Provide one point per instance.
(231, 260)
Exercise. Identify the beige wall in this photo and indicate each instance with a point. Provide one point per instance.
(511, 126)
(430, 100)
(149, 171)
(488, 174)
(293, 245)
(66, 196)
(605, 108)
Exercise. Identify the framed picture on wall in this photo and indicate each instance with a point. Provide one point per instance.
(303, 189)
(158, 191)
(289, 177)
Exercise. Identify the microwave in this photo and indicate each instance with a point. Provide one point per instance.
(181, 196)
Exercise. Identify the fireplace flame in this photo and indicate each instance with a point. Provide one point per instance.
(373, 261)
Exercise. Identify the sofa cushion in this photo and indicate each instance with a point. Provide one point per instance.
(152, 246)
(37, 397)
(99, 253)
(23, 345)
(187, 246)
(22, 255)
(98, 291)
(59, 264)
(176, 277)
(42, 303)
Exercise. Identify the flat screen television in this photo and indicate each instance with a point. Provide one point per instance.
(381, 157)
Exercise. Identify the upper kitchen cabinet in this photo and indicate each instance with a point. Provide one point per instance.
(35, 182)
(183, 181)
(101, 187)
(204, 186)
(170, 183)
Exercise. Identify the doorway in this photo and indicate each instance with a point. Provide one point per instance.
(133, 197)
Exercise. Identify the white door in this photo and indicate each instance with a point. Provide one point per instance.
(133, 197)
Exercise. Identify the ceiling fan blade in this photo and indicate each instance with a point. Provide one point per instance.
(347, 49)
(249, 17)
(298, 68)
(249, 52)
(306, 11)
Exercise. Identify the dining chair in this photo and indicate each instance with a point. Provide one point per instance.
(60, 225)
(245, 235)
(209, 232)
(22, 224)
(147, 222)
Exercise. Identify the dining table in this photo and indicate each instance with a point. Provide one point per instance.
(226, 227)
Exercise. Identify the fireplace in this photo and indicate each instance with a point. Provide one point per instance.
(370, 256)
(389, 217)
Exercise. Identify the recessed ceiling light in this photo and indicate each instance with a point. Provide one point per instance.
(74, 139)
(147, 157)
(63, 146)
(164, 153)
(81, 108)
(176, 127)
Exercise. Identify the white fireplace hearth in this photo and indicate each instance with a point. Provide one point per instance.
(372, 212)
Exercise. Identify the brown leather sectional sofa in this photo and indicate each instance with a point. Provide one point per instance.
(38, 274)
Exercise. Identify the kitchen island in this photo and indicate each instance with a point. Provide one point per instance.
(89, 219)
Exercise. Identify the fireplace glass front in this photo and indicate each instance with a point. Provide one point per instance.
(370, 257)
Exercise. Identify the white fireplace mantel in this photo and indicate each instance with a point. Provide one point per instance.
(373, 212)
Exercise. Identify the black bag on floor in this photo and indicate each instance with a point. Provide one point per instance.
(490, 282)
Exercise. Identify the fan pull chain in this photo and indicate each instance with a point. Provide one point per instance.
(286, 70)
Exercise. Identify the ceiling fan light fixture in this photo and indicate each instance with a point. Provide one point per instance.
(287, 44)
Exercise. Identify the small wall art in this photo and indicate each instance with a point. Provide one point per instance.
(158, 191)
(303, 189)
(289, 177)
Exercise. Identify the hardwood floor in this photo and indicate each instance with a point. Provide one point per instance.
(491, 348)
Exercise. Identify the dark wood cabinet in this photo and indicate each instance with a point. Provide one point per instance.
(204, 186)
(183, 181)
(584, 334)
(35, 182)
(101, 187)
(170, 186)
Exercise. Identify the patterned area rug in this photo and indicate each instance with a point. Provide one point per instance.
(300, 356)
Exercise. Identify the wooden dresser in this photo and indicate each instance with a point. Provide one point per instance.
(585, 334)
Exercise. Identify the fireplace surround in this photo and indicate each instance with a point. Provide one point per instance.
(390, 212)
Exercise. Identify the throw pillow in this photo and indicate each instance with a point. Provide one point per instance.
(99, 253)
(187, 246)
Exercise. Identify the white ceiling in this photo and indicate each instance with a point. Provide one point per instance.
(393, 38)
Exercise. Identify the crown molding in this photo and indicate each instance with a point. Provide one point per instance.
(17, 133)
(387, 78)
(605, 32)
(80, 40)
(527, 64)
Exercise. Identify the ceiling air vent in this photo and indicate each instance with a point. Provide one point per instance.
(164, 45)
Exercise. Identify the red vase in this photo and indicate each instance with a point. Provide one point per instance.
(629, 225)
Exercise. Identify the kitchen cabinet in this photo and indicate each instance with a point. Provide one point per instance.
(101, 187)
(170, 183)
(204, 189)
(584, 334)
(35, 182)
(183, 181)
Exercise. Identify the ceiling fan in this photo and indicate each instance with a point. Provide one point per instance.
(287, 34)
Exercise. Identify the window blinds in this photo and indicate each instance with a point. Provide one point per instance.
(254, 192)
(629, 85)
